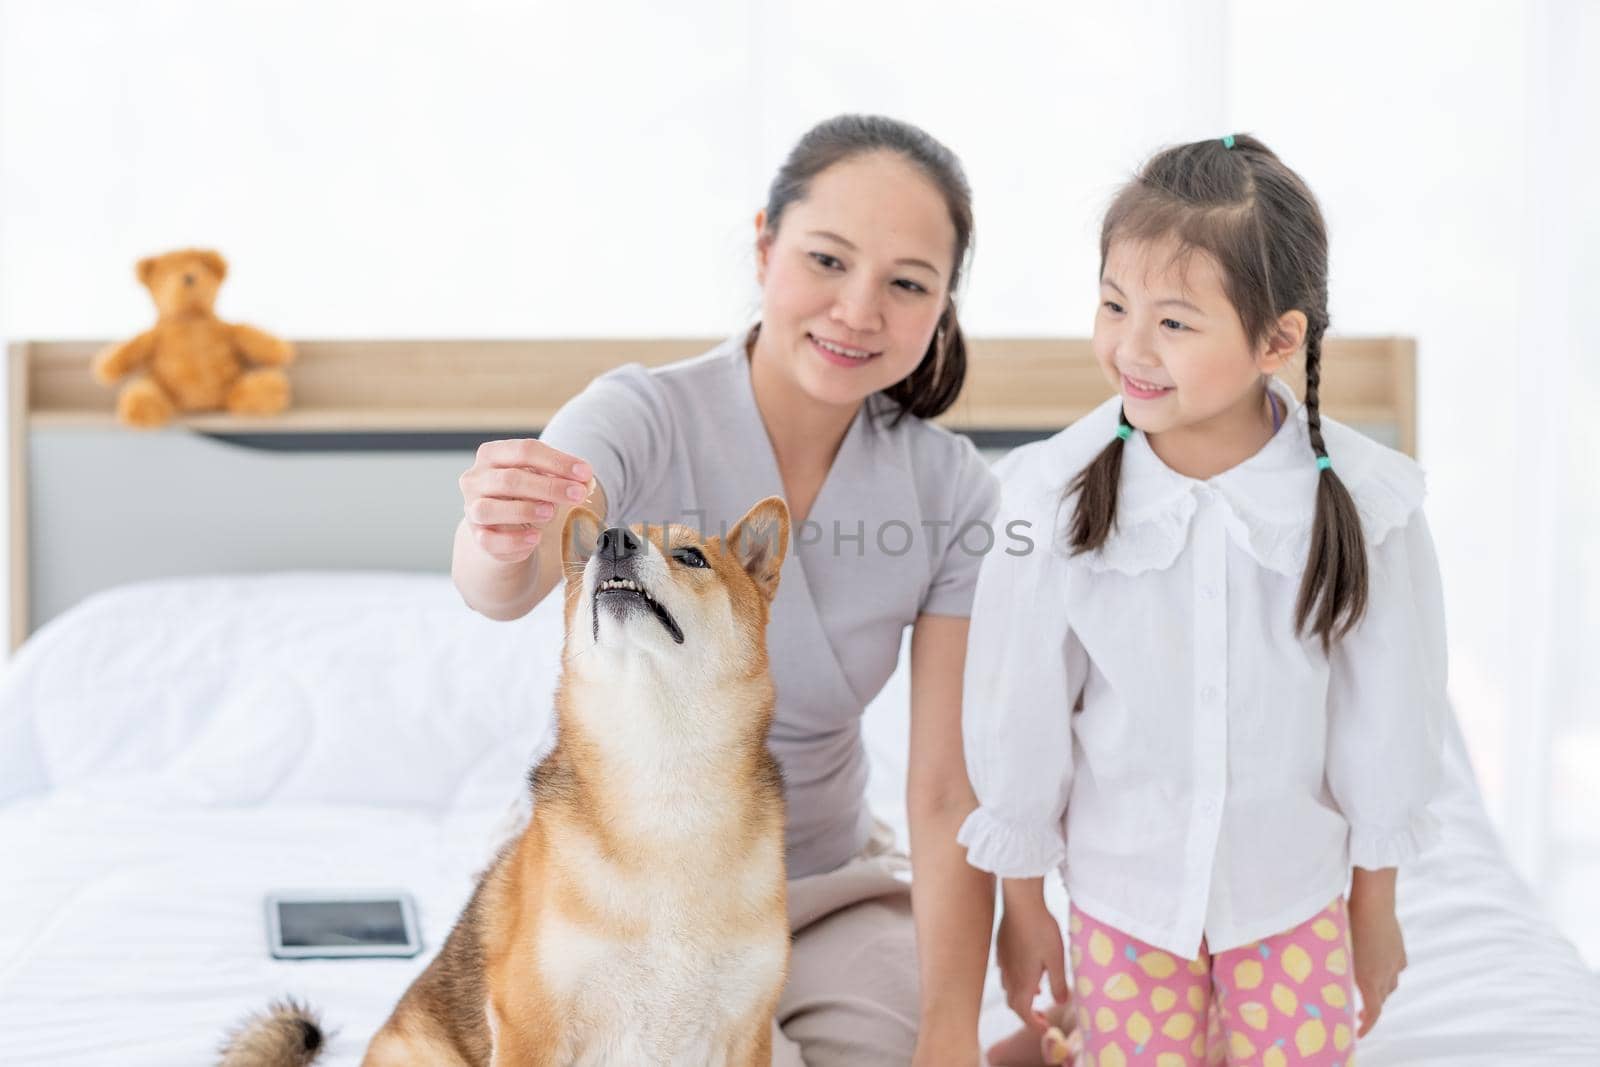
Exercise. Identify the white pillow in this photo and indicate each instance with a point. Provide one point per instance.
(301, 688)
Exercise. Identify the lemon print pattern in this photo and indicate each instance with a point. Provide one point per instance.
(1285, 1000)
(1157, 964)
(1310, 1037)
(1122, 987)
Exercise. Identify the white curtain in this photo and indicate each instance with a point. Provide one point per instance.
(1552, 719)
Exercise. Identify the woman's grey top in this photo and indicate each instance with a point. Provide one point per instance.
(898, 529)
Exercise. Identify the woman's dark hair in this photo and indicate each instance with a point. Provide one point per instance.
(934, 385)
(1237, 201)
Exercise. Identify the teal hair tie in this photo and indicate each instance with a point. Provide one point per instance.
(1124, 432)
(1324, 463)
(1227, 142)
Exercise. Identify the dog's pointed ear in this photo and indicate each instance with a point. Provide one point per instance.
(146, 269)
(579, 536)
(760, 540)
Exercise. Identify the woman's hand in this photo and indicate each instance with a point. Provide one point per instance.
(1378, 948)
(513, 489)
(1029, 947)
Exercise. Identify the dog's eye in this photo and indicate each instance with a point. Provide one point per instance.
(690, 557)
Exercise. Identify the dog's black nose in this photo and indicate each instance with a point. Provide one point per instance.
(188, 279)
(619, 543)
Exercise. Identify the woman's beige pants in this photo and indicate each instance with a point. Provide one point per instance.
(851, 1000)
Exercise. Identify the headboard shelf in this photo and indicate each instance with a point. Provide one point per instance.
(320, 421)
(361, 472)
(419, 386)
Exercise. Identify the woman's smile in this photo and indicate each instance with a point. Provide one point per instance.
(839, 354)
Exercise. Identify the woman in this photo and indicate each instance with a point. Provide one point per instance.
(859, 251)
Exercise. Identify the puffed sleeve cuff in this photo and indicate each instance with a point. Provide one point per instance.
(1377, 847)
(1009, 850)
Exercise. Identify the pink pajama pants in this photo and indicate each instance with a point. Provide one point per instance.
(1287, 999)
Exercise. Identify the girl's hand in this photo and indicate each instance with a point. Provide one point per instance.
(1379, 951)
(513, 489)
(1059, 1043)
(1028, 947)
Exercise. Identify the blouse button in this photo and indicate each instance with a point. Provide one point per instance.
(1209, 592)
(1209, 693)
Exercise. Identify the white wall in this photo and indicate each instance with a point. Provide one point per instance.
(501, 169)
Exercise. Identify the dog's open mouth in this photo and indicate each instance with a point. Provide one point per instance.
(623, 587)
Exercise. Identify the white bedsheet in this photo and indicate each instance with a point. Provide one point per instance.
(170, 752)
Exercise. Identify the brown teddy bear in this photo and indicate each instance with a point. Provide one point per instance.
(193, 360)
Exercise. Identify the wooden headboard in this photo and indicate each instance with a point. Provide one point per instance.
(438, 397)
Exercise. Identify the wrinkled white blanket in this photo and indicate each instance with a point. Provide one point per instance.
(171, 751)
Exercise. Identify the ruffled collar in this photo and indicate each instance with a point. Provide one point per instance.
(1268, 501)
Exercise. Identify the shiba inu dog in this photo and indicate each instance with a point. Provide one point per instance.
(640, 917)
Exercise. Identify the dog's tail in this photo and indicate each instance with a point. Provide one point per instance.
(287, 1034)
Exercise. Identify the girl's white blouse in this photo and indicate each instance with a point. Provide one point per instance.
(1145, 717)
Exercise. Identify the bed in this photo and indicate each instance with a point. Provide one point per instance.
(175, 744)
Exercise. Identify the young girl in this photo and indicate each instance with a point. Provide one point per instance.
(1211, 691)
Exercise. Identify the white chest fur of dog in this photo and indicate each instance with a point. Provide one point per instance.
(681, 941)
(681, 1001)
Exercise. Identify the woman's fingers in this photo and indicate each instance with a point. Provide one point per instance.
(526, 469)
(508, 544)
(517, 483)
(535, 456)
(496, 511)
